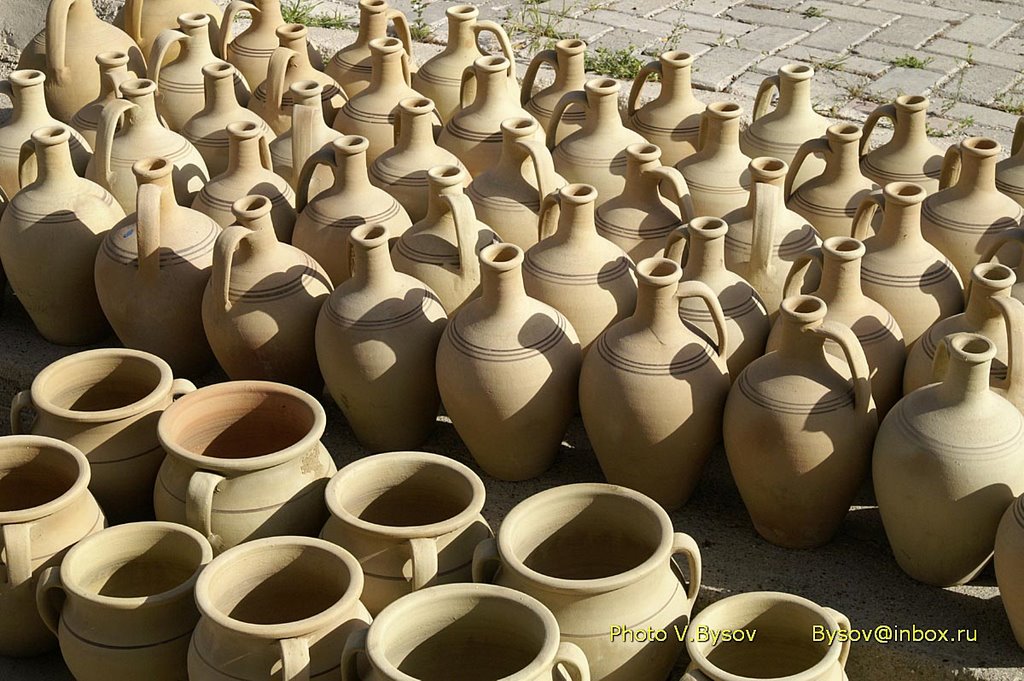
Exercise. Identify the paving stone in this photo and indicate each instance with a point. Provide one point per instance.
(845, 62)
(982, 115)
(847, 12)
(771, 17)
(1000, 56)
(622, 40)
(692, 44)
(900, 81)
(1010, 10)
(746, 86)
(839, 33)
(775, 4)
(709, 7)
(580, 28)
(981, 30)
(887, 53)
(979, 83)
(769, 39)
(916, 10)
(620, 21)
(722, 65)
(910, 31)
(700, 22)
(641, 7)
(770, 66)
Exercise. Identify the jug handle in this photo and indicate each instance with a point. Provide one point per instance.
(7, 89)
(423, 559)
(182, 386)
(844, 625)
(1011, 235)
(698, 289)
(815, 146)
(21, 402)
(133, 20)
(650, 68)
(1018, 137)
(486, 561)
(543, 165)
(401, 25)
(883, 111)
(487, 26)
(224, 252)
(763, 100)
(465, 220)
(304, 120)
(865, 215)
(549, 57)
(56, 37)
(798, 271)
(1013, 315)
(547, 221)
(323, 157)
(233, 8)
(27, 151)
(679, 187)
(294, 659)
(684, 544)
(571, 663)
(468, 73)
(50, 598)
(147, 230)
(677, 244)
(844, 337)
(951, 163)
(355, 645)
(105, 132)
(158, 52)
(266, 160)
(702, 132)
(277, 71)
(202, 487)
(766, 201)
(18, 547)
(567, 100)
(940, 362)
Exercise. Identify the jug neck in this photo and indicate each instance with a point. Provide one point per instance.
(220, 92)
(53, 158)
(269, 14)
(706, 256)
(373, 22)
(794, 95)
(901, 223)
(417, 131)
(602, 115)
(840, 278)
(501, 283)
(244, 152)
(570, 72)
(722, 134)
(576, 222)
(461, 37)
(676, 81)
(198, 44)
(145, 114)
(977, 170)
(979, 308)
(386, 68)
(29, 100)
(350, 170)
(911, 126)
(657, 307)
(371, 261)
(965, 381)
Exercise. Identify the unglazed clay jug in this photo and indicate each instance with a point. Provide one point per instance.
(507, 360)
(351, 65)
(122, 601)
(376, 340)
(441, 78)
(717, 175)
(577, 271)
(49, 236)
(324, 224)
(700, 247)
(649, 430)
(308, 134)
(441, 250)
(141, 135)
(949, 460)
(260, 307)
(1009, 560)
(250, 51)
(784, 652)
(244, 461)
(830, 200)
(113, 72)
(797, 409)
(1009, 248)
(106, 403)
(909, 156)
(151, 272)
(411, 518)
(672, 119)
(144, 20)
(509, 193)
(47, 508)
(599, 556)
(566, 59)
(968, 214)
(639, 219)
(1010, 171)
(288, 603)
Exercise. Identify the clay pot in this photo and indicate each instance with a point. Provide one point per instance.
(261, 305)
(55, 285)
(285, 602)
(672, 119)
(244, 461)
(799, 424)
(144, 20)
(509, 193)
(909, 156)
(783, 620)
(376, 340)
(717, 174)
(411, 518)
(121, 602)
(250, 51)
(113, 72)
(441, 250)
(900, 270)
(308, 134)
(324, 224)
(351, 65)
(949, 460)
(638, 390)
(1008, 557)
(507, 360)
(1010, 171)
(599, 556)
(141, 135)
(566, 59)
(47, 508)
(639, 219)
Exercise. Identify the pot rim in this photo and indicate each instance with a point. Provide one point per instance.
(78, 487)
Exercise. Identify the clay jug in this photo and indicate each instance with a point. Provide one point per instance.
(55, 284)
(441, 79)
(308, 134)
(144, 20)
(968, 213)
(244, 461)
(473, 133)
(260, 307)
(949, 460)
(141, 135)
(717, 174)
(700, 247)
(789, 653)
(879, 335)
(509, 193)
(599, 556)
(638, 389)
(1010, 171)
(249, 173)
(908, 156)
(900, 270)
(122, 601)
(1009, 248)
(28, 114)
(113, 72)
(288, 603)
(351, 65)
(441, 249)
(1008, 557)
(47, 508)
(672, 119)
(34, 55)
(250, 51)
(324, 224)
(402, 170)
(639, 219)
(507, 360)
(797, 409)
(411, 518)
(780, 132)
(566, 59)
(830, 200)
(376, 340)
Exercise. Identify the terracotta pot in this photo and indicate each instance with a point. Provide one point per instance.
(261, 305)
(113, 72)
(801, 409)
(250, 51)
(144, 20)
(507, 360)
(55, 285)
(47, 508)
(718, 175)
(244, 461)
(308, 134)
(411, 518)
(351, 65)
(949, 460)
(672, 119)
(376, 340)
(909, 156)
(1010, 171)
(566, 59)
(638, 388)
(600, 557)
(1008, 557)
(121, 602)
(284, 602)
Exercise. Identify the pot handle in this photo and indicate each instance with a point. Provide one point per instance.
(1013, 315)
(465, 234)
(1018, 137)
(158, 52)
(884, 111)
(401, 25)
(677, 244)
(202, 487)
(147, 230)
(423, 559)
(865, 215)
(355, 645)
(698, 289)
(223, 253)
(763, 100)
(406, 72)
(767, 198)
(799, 269)
(543, 165)
(814, 146)
(677, 182)
(105, 131)
(547, 220)
(277, 71)
(304, 121)
(1016, 234)
(951, 163)
(57, 36)
(21, 402)
(844, 625)
(233, 8)
(649, 69)
(854, 353)
(27, 151)
(684, 544)
(571, 663)
(294, 659)
(940, 362)
(468, 73)
(567, 100)
(182, 386)
(133, 19)
(322, 157)
(549, 57)
(487, 26)
(17, 539)
(486, 561)
(50, 598)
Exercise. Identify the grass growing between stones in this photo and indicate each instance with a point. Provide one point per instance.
(622, 63)
(304, 12)
(910, 61)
